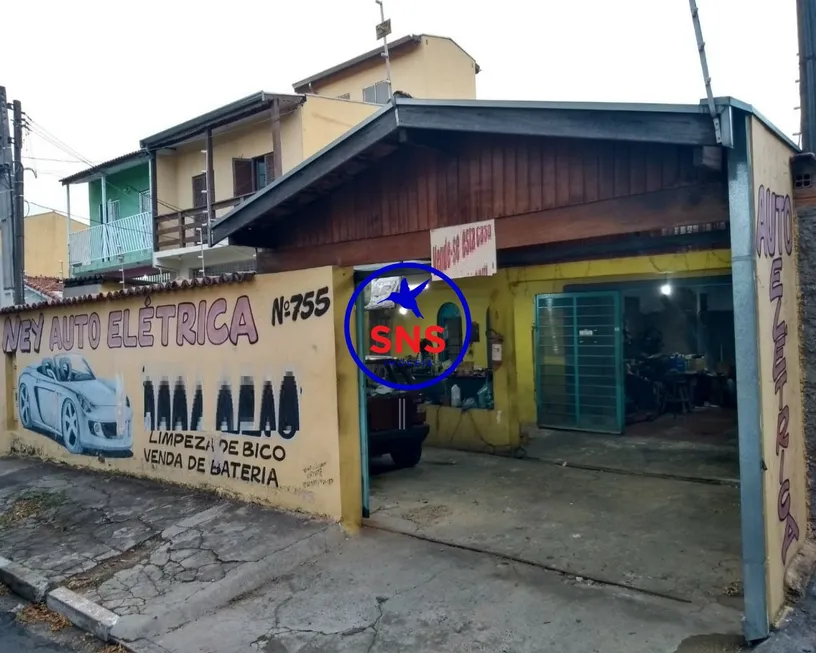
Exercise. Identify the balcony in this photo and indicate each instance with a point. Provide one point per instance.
(126, 242)
(179, 247)
(186, 228)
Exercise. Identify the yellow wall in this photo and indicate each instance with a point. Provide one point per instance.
(306, 130)
(295, 465)
(175, 173)
(437, 68)
(477, 429)
(46, 244)
(785, 484)
(325, 119)
(167, 184)
(450, 73)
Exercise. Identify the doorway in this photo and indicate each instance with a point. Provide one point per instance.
(578, 361)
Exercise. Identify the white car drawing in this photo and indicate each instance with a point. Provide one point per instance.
(61, 396)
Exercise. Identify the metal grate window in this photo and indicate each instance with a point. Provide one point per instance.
(803, 180)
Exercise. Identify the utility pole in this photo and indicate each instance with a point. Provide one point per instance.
(19, 206)
(698, 33)
(6, 205)
(806, 19)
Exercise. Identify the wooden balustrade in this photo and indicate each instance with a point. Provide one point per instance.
(181, 229)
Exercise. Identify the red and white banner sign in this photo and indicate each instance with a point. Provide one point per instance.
(467, 250)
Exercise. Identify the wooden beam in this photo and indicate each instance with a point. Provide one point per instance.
(616, 125)
(354, 252)
(649, 212)
(277, 152)
(664, 209)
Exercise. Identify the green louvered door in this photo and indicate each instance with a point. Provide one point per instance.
(579, 362)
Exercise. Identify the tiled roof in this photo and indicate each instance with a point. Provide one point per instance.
(48, 286)
(235, 277)
(73, 282)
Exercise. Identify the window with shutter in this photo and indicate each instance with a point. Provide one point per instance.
(243, 177)
(200, 191)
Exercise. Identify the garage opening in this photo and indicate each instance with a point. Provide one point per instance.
(650, 360)
(620, 388)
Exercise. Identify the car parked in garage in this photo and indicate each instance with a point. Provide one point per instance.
(396, 425)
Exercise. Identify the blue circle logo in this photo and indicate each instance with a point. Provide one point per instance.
(406, 298)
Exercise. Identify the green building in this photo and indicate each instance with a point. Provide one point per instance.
(120, 235)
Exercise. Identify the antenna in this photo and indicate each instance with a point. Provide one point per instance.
(698, 32)
(383, 30)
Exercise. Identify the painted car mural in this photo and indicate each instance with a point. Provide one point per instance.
(62, 397)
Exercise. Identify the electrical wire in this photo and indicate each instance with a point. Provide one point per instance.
(47, 136)
(70, 151)
(51, 208)
(42, 158)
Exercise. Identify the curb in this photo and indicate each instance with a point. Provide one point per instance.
(24, 582)
(84, 614)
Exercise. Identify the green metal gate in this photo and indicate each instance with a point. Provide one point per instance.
(577, 340)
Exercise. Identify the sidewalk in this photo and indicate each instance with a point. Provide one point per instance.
(190, 572)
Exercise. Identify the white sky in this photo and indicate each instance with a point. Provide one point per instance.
(99, 77)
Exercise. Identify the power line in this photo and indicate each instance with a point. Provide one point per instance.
(61, 211)
(43, 133)
(43, 158)
(46, 135)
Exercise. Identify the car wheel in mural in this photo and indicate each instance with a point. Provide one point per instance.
(25, 406)
(62, 398)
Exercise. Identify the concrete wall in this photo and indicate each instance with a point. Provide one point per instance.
(436, 68)
(494, 430)
(325, 119)
(46, 244)
(777, 286)
(806, 249)
(449, 72)
(194, 386)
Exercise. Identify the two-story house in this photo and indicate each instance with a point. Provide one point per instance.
(205, 166)
(185, 177)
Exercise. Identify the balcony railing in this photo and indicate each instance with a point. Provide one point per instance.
(186, 228)
(104, 245)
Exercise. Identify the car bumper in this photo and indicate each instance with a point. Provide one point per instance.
(383, 442)
(99, 436)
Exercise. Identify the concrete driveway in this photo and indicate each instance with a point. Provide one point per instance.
(675, 538)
